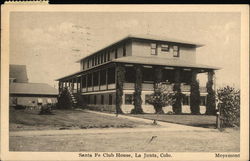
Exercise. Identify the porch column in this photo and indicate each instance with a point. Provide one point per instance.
(138, 88)
(59, 87)
(72, 84)
(81, 84)
(120, 77)
(210, 105)
(157, 79)
(177, 106)
(77, 86)
(195, 94)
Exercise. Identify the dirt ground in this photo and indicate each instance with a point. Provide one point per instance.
(170, 141)
(206, 121)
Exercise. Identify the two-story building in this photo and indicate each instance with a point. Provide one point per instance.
(100, 80)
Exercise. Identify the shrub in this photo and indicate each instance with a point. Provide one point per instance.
(64, 101)
(160, 98)
(229, 105)
(46, 109)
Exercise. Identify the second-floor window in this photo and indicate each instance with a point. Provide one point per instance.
(93, 61)
(105, 56)
(176, 51)
(153, 49)
(88, 63)
(124, 50)
(108, 56)
(116, 53)
(164, 48)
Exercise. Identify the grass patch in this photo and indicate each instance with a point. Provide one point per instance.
(66, 119)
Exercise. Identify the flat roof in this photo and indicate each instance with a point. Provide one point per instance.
(151, 60)
(146, 37)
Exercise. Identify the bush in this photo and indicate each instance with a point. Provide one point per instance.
(229, 105)
(160, 98)
(46, 109)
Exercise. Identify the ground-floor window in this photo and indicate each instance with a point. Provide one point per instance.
(147, 97)
(102, 99)
(185, 100)
(128, 99)
(203, 101)
(110, 99)
(95, 99)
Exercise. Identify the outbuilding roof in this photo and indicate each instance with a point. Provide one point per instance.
(32, 88)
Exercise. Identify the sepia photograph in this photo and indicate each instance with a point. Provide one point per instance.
(115, 83)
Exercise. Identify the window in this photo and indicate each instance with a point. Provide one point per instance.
(110, 99)
(95, 99)
(89, 80)
(102, 99)
(84, 81)
(203, 101)
(102, 77)
(115, 53)
(111, 75)
(153, 49)
(130, 74)
(96, 78)
(185, 100)
(93, 61)
(108, 56)
(148, 75)
(105, 56)
(176, 51)
(124, 50)
(128, 99)
(88, 63)
(102, 58)
(88, 99)
(165, 48)
(147, 97)
(98, 59)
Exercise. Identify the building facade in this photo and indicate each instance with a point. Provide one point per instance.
(109, 78)
(26, 94)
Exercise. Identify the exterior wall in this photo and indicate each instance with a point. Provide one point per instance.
(29, 100)
(140, 48)
(98, 105)
(150, 109)
(84, 62)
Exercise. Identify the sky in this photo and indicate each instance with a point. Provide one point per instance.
(50, 43)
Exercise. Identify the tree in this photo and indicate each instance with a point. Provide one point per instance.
(160, 98)
(210, 105)
(229, 105)
(120, 71)
(195, 95)
(138, 88)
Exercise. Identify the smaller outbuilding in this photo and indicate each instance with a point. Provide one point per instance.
(23, 93)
